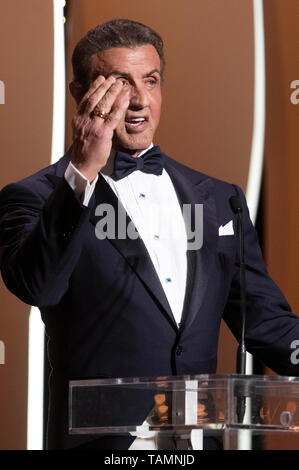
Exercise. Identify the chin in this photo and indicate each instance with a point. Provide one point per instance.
(133, 142)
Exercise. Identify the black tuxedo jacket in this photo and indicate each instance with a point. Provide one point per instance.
(105, 311)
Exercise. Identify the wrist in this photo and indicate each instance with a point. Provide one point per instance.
(90, 173)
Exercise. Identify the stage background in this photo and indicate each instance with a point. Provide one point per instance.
(26, 68)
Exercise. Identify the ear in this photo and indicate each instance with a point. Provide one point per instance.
(76, 91)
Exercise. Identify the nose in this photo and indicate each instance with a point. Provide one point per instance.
(138, 98)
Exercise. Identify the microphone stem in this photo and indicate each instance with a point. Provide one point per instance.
(241, 354)
(242, 347)
(241, 392)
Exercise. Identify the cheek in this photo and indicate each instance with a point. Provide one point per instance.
(156, 106)
(156, 114)
(120, 128)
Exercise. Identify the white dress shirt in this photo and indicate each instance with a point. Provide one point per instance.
(151, 203)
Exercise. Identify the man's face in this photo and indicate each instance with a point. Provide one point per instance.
(139, 69)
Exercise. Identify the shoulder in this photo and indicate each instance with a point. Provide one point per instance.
(37, 186)
(196, 177)
(221, 191)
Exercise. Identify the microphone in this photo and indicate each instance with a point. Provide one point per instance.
(236, 206)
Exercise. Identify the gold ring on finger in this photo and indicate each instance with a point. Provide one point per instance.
(99, 113)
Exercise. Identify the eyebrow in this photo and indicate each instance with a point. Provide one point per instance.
(129, 76)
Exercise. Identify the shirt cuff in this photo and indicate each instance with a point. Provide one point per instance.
(80, 184)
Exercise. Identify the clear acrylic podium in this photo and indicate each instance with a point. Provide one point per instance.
(241, 412)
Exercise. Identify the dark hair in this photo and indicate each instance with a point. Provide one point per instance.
(113, 33)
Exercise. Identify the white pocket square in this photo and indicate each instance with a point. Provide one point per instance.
(226, 229)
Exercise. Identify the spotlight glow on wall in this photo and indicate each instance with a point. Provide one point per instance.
(256, 162)
(35, 409)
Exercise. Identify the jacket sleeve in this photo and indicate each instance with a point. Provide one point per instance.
(272, 330)
(40, 241)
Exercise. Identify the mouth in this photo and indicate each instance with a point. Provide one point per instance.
(134, 124)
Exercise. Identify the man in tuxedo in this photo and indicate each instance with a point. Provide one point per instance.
(125, 306)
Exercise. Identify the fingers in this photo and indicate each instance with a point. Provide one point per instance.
(95, 93)
(99, 81)
(106, 103)
(93, 87)
(109, 96)
(119, 109)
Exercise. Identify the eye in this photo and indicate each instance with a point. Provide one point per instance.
(151, 81)
(124, 81)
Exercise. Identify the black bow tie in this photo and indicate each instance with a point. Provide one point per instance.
(150, 162)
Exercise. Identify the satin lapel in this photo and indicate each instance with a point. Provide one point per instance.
(200, 261)
(134, 251)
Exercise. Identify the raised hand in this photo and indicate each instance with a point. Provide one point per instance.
(98, 114)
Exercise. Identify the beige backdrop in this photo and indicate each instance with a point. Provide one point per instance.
(282, 147)
(206, 123)
(281, 157)
(26, 51)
